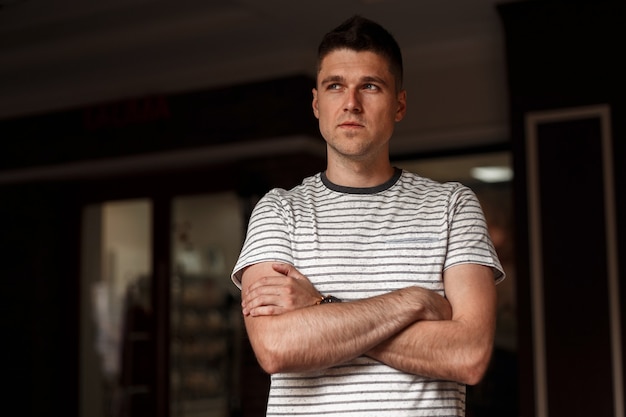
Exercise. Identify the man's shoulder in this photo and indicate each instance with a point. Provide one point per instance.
(425, 184)
(312, 184)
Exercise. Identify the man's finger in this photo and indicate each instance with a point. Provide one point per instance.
(286, 269)
(289, 271)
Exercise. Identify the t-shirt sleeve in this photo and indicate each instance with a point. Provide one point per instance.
(469, 240)
(268, 235)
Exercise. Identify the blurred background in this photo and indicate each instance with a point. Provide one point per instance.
(137, 135)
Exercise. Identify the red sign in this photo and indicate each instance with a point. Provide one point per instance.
(130, 112)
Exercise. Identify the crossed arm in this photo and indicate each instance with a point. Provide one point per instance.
(413, 329)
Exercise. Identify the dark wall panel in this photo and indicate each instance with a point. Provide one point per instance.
(564, 55)
(575, 285)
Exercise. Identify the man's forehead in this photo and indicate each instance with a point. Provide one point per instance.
(351, 61)
(363, 66)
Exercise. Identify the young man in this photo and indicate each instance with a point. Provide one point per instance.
(367, 290)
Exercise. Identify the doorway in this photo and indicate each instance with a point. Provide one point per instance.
(118, 328)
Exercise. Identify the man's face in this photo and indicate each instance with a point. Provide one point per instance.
(357, 104)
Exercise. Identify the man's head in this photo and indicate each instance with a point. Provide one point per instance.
(358, 97)
(360, 34)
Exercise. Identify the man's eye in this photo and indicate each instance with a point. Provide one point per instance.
(370, 87)
(333, 86)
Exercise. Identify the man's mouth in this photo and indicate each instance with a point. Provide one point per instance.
(351, 124)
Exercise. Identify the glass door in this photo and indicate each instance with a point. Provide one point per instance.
(122, 331)
(116, 324)
(205, 315)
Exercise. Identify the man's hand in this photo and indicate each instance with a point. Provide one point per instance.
(435, 307)
(277, 294)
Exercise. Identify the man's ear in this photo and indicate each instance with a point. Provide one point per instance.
(401, 111)
(314, 104)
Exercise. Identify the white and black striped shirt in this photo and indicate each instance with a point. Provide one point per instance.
(357, 243)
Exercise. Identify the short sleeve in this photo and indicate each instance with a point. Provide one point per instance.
(268, 236)
(469, 240)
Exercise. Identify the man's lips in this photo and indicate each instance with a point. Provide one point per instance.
(350, 124)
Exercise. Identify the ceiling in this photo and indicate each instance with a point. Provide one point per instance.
(57, 54)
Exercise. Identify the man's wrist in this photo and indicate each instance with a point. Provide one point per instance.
(328, 299)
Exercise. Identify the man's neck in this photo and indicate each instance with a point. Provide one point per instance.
(359, 175)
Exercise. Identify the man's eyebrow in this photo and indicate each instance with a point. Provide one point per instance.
(332, 79)
(373, 79)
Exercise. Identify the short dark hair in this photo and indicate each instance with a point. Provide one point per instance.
(361, 34)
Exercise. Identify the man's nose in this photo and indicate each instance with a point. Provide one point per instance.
(353, 101)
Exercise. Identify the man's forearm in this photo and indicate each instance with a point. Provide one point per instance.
(318, 337)
(419, 350)
(458, 349)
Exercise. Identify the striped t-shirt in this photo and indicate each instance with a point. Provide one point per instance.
(357, 243)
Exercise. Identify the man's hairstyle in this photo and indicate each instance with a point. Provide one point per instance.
(361, 34)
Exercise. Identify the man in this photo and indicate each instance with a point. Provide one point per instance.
(367, 290)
